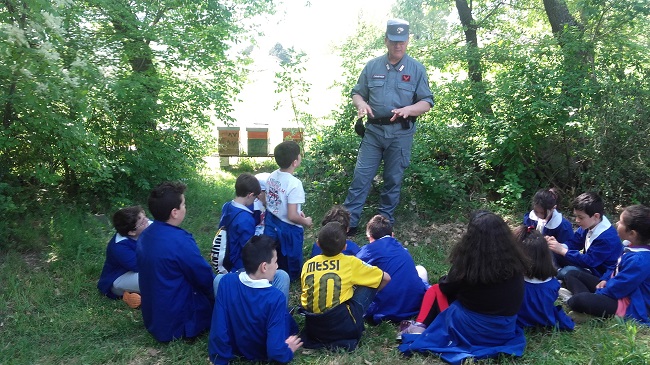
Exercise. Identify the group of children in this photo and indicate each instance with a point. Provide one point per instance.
(499, 282)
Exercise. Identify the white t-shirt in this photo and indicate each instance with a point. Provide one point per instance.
(282, 189)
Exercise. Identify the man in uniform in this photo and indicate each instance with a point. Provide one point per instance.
(392, 91)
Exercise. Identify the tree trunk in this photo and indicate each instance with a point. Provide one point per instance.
(471, 41)
(474, 70)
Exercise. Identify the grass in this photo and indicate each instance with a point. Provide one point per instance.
(52, 313)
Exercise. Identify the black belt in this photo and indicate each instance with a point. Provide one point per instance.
(382, 121)
(386, 121)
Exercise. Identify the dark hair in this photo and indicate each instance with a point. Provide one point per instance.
(637, 218)
(257, 250)
(379, 226)
(540, 261)
(125, 219)
(546, 198)
(337, 213)
(589, 203)
(331, 239)
(164, 198)
(487, 253)
(285, 153)
(247, 183)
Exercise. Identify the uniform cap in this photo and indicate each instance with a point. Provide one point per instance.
(397, 30)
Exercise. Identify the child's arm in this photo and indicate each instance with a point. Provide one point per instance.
(384, 281)
(556, 246)
(298, 218)
(632, 273)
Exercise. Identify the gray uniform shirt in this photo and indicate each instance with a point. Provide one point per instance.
(386, 87)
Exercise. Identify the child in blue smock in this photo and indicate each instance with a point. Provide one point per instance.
(594, 247)
(623, 291)
(338, 213)
(541, 287)
(119, 277)
(239, 221)
(546, 218)
(402, 296)
(176, 282)
(250, 318)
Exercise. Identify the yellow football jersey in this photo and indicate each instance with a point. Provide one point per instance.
(329, 280)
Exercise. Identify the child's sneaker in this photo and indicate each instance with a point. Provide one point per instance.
(133, 300)
(410, 327)
(564, 295)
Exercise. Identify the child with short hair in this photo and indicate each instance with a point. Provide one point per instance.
(485, 286)
(541, 287)
(623, 291)
(284, 218)
(238, 219)
(119, 277)
(336, 292)
(401, 298)
(250, 317)
(594, 247)
(176, 282)
(338, 213)
(546, 218)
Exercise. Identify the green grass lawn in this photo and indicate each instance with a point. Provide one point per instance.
(52, 313)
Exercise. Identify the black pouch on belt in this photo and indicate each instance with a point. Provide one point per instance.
(406, 123)
(359, 127)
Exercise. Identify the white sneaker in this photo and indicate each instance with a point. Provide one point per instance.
(564, 295)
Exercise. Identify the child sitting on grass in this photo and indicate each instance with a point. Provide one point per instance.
(250, 317)
(176, 282)
(594, 247)
(545, 217)
(485, 286)
(541, 287)
(119, 276)
(338, 213)
(401, 298)
(336, 292)
(623, 291)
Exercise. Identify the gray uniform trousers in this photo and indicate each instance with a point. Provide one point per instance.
(395, 151)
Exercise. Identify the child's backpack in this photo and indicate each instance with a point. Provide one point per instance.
(219, 254)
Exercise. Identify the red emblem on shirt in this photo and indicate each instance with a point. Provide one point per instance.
(406, 78)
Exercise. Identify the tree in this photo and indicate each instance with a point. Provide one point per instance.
(103, 99)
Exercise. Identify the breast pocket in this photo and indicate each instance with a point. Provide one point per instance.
(375, 88)
(406, 92)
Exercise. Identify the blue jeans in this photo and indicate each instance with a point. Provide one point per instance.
(363, 296)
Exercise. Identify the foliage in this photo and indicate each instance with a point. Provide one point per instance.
(548, 104)
(101, 100)
(49, 297)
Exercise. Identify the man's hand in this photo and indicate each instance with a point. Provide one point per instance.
(414, 110)
(363, 108)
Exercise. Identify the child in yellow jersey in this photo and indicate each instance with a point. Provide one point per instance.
(336, 292)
